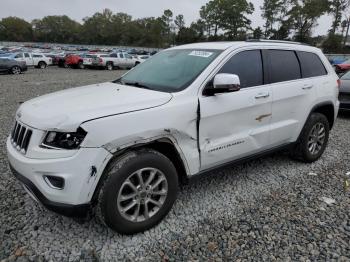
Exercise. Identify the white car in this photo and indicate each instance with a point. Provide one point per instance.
(89, 58)
(33, 59)
(141, 58)
(115, 60)
(121, 148)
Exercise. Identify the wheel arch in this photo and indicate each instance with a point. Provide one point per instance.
(327, 109)
(163, 145)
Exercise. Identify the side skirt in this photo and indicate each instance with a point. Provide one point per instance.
(208, 172)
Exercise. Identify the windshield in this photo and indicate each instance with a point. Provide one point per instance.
(171, 70)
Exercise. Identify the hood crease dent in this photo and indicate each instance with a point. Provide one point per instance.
(66, 110)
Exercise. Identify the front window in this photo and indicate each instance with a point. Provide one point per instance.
(171, 70)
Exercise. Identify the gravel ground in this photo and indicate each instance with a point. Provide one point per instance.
(266, 210)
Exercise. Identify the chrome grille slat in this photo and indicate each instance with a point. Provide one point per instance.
(20, 137)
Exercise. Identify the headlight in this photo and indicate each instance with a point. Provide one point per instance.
(64, 140)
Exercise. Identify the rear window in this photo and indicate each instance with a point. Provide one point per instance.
(284, 66)
(311, 65)
(37, 56)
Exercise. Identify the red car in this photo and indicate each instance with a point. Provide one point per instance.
(72, 60)
(343, 67)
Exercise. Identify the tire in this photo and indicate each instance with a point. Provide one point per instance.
(109, 66)
(114, 188)
(16, 70)
(65, 65)
(313, 139)
(81, 65)
(42, 65)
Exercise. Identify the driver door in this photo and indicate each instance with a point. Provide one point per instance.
(235, 125)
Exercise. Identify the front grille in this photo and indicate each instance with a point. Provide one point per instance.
(20, 137)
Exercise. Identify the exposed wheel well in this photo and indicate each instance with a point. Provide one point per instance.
(326, 110)
(164, 146)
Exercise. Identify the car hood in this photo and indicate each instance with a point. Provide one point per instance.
(66, 110)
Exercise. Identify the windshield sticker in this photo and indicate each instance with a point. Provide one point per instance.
(201, 54)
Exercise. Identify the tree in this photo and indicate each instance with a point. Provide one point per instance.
(272, 12)
(333, 44)
(234, 19)
(179, 22)
(336, 9)
(303, 16)
(210, 14)
(56, 29)
(257, 33)
(15, 29)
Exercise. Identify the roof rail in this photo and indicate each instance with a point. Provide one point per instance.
(275, 41)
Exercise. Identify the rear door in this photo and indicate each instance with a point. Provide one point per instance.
(292, 95)
(234, 125)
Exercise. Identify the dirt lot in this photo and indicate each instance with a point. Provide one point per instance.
(268, 209)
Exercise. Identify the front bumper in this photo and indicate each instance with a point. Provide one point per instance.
(76, 170)
(60, 208)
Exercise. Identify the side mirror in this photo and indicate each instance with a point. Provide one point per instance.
(223, 83)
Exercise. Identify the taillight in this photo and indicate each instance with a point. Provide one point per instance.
(338, 83)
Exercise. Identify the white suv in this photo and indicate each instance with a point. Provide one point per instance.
(121, 148)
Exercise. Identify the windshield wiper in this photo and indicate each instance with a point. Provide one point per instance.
(136, 84)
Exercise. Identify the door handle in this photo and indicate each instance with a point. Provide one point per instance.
(262, 95)
(306, 87)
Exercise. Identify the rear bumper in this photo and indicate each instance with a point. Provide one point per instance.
(60, 208)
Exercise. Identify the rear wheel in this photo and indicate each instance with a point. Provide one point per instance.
(16, 70)
(65, 65)
(138, 191)
(42, 65)
(313, 139)
(109, 66)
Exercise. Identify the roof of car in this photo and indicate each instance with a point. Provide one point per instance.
(237, 44)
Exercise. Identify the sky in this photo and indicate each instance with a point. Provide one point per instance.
(78, 9)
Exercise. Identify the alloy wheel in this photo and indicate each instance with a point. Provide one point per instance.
(316, 138)
(16, 70)
(142, 194)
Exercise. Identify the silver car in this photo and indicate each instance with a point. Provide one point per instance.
(344, 92)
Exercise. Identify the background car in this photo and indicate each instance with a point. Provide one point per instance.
(343, 67)
(71, 60)
(12, 66)
(141, 58)
(344, 92)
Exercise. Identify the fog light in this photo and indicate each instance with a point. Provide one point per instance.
(54, 182)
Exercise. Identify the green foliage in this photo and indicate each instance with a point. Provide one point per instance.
(336, 9)
(220, 20)
(273, 12)
(15, 29)
(57, 29)
(258, 33)
(333, 44)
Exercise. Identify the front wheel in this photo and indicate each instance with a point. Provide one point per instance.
(138, 192)
(16, 70)
(81, 65)
(313, 139)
